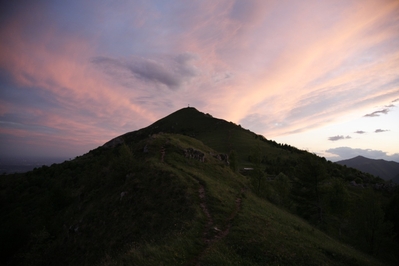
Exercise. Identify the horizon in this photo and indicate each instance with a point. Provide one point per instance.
(40, 160)
(11, 165)
(319, 76)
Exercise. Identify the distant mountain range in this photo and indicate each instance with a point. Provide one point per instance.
(386, 170)
(10, 165)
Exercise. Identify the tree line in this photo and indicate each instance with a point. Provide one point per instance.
(320, 192)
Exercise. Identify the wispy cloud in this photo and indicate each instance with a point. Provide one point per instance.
(377, 113)
(170, 71)
(386, 110)
(56, 95)
(380, 130)
(338, 137)
(360, 132)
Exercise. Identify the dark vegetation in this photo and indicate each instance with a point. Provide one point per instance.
(166, 195)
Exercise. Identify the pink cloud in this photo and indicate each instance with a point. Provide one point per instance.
(59, 66)
(283, 67)
(303, 61)
(228, 40)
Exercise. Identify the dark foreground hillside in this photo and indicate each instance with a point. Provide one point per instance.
(153, 198)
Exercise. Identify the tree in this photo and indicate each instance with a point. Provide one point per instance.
(282, 185)
(392, 214)
(309, 190)
(233, 160)
(369, 221)
(337, 202)
(124, 159)
(258, 172)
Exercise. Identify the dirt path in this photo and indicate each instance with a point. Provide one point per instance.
(209, 220)
(211, 233)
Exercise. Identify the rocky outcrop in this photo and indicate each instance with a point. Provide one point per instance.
(222, 157)
(123, 193)
(354, 184)
(113, 142)
(194, 154)
(388, 187)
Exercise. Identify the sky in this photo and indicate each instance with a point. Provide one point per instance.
(322, 76)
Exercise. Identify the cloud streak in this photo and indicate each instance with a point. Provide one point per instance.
(328, 88)
(338, 137)
(170, 71)
(380, 130)
(377, 113)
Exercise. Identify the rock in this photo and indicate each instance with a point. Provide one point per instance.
(194, 154)
(123, 193)
(222, 157)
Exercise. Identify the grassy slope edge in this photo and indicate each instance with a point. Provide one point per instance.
(125, 205)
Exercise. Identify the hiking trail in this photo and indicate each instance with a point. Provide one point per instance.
(211, 233)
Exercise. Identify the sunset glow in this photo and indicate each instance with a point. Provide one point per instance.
(318, 75)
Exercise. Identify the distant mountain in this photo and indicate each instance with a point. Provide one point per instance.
(9, 165)
(385, 169)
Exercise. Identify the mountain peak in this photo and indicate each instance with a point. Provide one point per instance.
(191, 122)
(359, 157)
(377, 167)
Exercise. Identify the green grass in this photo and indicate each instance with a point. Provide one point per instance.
(73, 213)
(262, 234)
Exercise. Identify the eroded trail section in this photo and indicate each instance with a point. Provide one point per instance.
(209, 220)
(211, 233)
(225, 232)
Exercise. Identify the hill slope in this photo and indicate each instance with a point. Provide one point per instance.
(216, 133)
(152, 198)
(384, 169)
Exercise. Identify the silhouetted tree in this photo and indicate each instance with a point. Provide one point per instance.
(369, 222)
(308, 188)
(258, 173)
(233, 160)
(282, 185)
(392, 213)
(337, 202)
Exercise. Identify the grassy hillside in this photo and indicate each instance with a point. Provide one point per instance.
(151, 198)
(216, 133)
